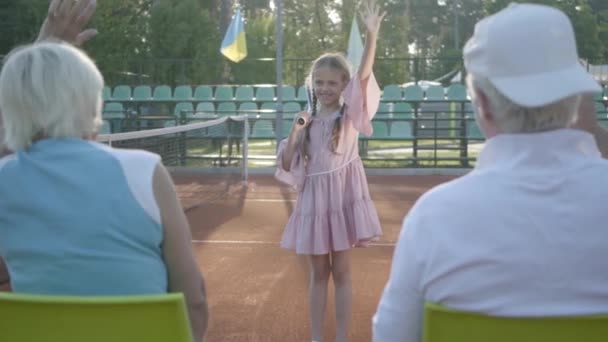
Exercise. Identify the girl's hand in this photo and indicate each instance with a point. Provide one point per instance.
(302, 120)
(371, 16)
(66, 21)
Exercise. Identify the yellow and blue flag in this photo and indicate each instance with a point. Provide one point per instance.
(234, 45)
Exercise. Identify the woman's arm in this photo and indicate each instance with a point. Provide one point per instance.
(178, 254)
(372, 20)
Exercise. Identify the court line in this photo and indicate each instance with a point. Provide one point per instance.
(271, 243)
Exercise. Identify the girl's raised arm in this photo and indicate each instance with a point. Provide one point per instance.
(372, 18)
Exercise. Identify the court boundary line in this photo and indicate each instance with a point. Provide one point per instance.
(271, 243)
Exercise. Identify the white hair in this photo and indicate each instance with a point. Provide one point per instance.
(49, 90)
(513, 118)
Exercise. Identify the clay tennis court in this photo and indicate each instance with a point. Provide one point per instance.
(257, 291)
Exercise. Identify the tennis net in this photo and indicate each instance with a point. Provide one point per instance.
(214, 143)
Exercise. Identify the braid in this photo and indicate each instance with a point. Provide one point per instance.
(335, 134)
(313, 113)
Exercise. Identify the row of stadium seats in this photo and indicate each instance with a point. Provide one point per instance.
(204, 93)
(383, 129)
(222, 93)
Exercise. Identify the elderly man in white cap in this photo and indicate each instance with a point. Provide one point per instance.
(524, 233)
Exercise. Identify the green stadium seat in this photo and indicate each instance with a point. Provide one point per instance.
(113, 110)
(392, 92)
(262, 129)
(302, 97)
(599, 96)
(182, 93)
(162, 93)
(290, 109)
(264, 94)
(170, 123)
(473, 131)
(287, 123)
(401, 130)
(413, 93)
(226, 109)
(442, 324)
(223, 93)
(150, 318)
(600, 109)
(203, 93)
(204, 110)
(380, 130)
(268, 108)
(289, 93)
(402, 110)
(384, 110)
(142, 93)
(106, 127)
(107, 93)
(248, 108)
(121, 93)
(184, 108)
(457, 92)
(435, 93)
(244, 93)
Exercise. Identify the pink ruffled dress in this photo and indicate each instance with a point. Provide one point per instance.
(334, 211)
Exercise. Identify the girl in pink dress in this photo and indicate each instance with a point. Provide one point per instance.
(334, 211)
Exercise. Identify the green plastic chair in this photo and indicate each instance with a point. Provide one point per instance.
(162, 93)
(401, 130)
(380, 130)
(226, 109)
(223, 93)
(289, 93)
(473, 131)
(142, 93)
(121, 93)
(248, 108)
(113, 110)
(269, 107)
(302, 94)
(392, 92)
(244, 93)
(403, 110)
(262, 129)
(446, 325)
(204, 110)
(184, 107)
(435, 93)
(155, 318)
(106, 127)
(413, 93)
(600, 109)
(203, 93)
(384, 110)
(182, 93)
(264, 94)
(107, 93)
(457, 92)
(290, 109)
(599, 96)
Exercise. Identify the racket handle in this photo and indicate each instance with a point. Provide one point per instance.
(301, 121)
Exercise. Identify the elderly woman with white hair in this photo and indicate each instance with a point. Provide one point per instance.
(78, 217)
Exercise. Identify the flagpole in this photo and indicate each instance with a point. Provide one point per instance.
(278, 4)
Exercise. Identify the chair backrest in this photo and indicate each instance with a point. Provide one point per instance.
(435, 93)
(185, 108)
(392, 92)
(264, 94)
(182, 93)
(442, 325)
(203, 93)
(121, 93)
(162, 93)
(413, 93)
(289, 93)
(244, 93)
(152, 318)
(142, 93)
(223, 93)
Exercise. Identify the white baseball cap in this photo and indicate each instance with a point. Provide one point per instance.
(528, 52)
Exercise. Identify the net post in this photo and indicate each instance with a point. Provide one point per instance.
(245, 175)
